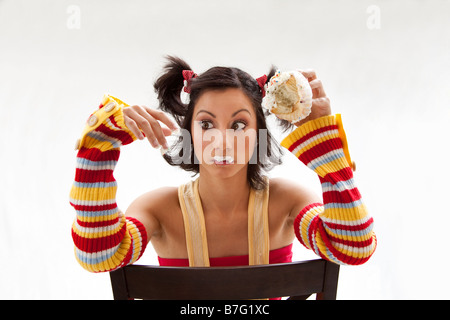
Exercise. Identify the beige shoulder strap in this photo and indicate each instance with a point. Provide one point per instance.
(258, 226)
(194, 224)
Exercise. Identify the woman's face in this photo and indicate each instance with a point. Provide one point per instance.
(223, 131)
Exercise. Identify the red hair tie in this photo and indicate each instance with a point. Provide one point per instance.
(261, 82)
(188, 75)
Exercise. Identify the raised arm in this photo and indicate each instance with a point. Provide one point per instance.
(340, 229)
(105, 239)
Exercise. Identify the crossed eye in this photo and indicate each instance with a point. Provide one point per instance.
(237, 125)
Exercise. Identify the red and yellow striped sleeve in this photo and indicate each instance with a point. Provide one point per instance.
(340, 229)
(104, 238)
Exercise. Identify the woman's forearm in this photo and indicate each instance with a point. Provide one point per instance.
(340, 229)
(104, 238)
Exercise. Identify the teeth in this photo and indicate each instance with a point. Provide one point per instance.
(227, 159)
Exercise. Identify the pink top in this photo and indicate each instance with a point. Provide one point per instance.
(281, 255)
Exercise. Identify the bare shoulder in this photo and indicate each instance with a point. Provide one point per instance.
(156, 200)
(287, 188)
(152, 206)
(292, 194)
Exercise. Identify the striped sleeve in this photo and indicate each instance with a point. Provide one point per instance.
(104, 238)
(340, 229)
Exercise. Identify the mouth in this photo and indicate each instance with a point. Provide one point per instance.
(223, 160)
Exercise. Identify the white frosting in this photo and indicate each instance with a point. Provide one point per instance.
(304, 91)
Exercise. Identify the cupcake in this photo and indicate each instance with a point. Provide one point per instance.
(288, 96)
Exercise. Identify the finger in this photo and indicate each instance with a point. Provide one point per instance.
(161, 116)
(138, 115)
(324, 104)
(309, 74)
(148, 131)
(129, 116)
(166, 131)
(317, 88)
(156, 129)
(132, 126)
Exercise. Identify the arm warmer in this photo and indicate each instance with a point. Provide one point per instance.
(104, 238)
(340, 229)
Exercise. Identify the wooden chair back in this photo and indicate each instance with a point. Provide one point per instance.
(297, 280)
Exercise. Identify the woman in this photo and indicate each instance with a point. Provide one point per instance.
(225, 216)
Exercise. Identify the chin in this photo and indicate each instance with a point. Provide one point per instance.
(223, 170)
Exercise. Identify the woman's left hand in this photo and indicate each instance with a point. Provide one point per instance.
(320, 102)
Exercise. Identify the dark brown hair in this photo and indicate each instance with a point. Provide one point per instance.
(169, 87)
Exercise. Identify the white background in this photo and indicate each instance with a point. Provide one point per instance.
(384, 65)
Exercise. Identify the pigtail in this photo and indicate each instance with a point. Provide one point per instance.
(271, 73)
(168, 87)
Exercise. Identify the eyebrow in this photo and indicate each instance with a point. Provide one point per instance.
(235, 113)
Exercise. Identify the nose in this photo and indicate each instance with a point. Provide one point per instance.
(223, 142)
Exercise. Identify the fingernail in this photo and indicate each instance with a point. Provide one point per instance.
(155, 144)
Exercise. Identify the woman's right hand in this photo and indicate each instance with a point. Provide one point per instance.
(145, 122)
